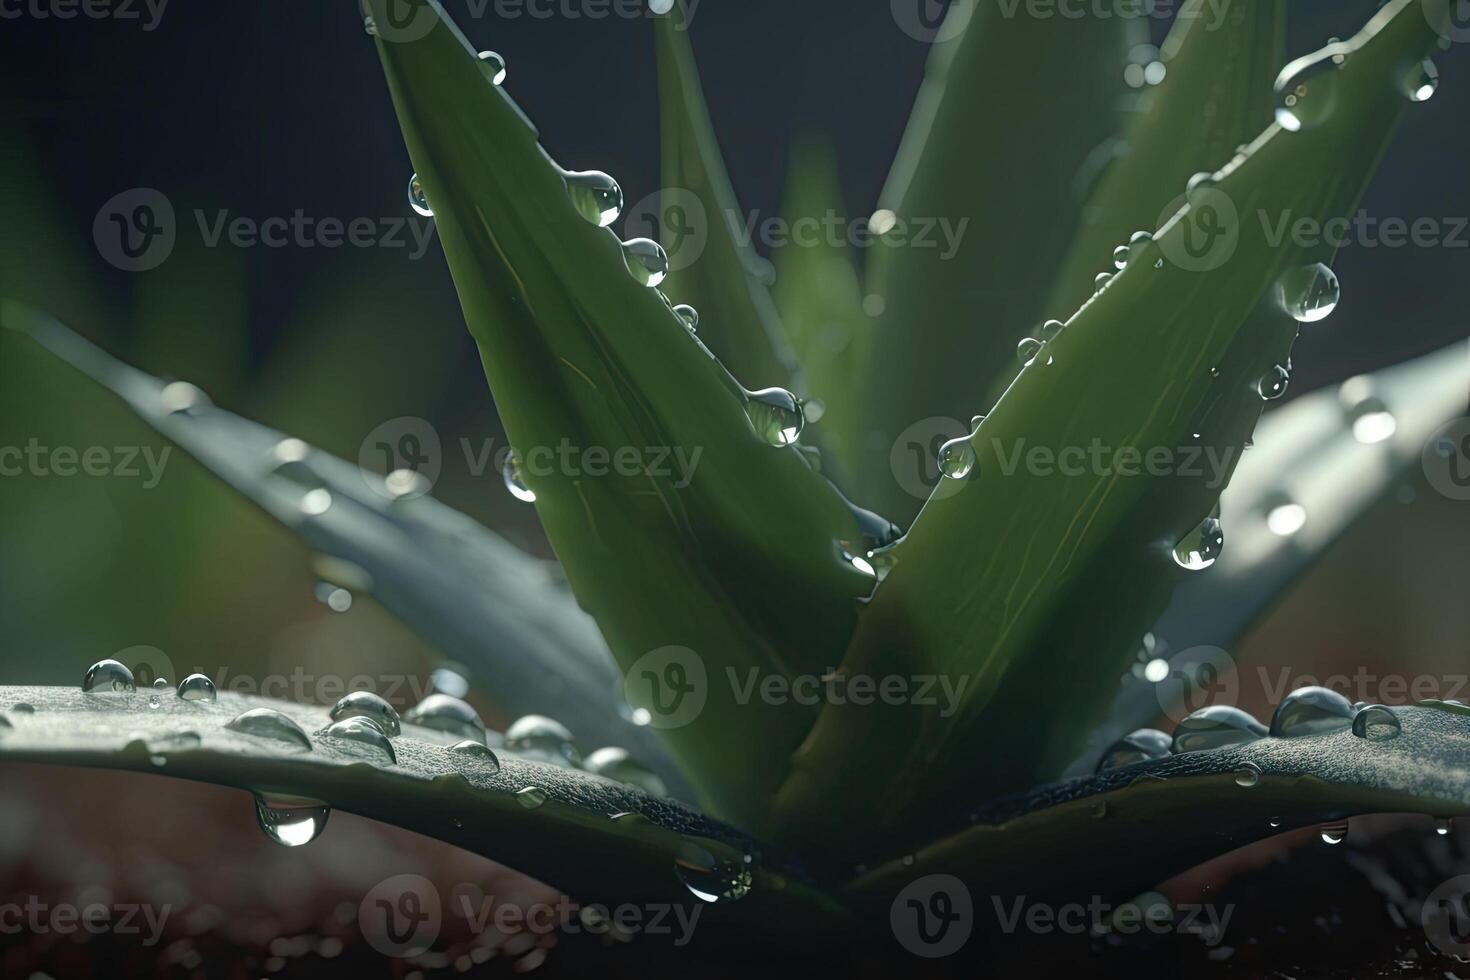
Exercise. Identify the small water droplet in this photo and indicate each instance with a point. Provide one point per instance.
(709, 879)
(775, 414)
(1272, 384)
(1274, 821)
(291, 821)
(1311, 711)
(161, 684)
(1443, 826)
(180, 397)
(493, 65)
(1120, 257)
(599, 199)
(689, 315)
(616, 764)
(1197, 184)
(1214, 727)
(646, 261)
(1377, 722)
(1334, 833)
(197, 687)
(1027, 350)
(1050, 330)
(1139, 238)
(417, 199)
(447, 714)
(1309, 293)
(542, 739)
(1199, 549)
(334, 597)
(1306, 89)
(515, 482)
(271, 724)
(366, 704)
(531, 797)
(1139, 746)
(107, 676)
(1101, 279)
(957, 458)
(365, 732)
(479, 751)
(1421, 81)
(1248, 775)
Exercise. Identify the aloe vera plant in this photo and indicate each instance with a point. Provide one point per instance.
(818, 719)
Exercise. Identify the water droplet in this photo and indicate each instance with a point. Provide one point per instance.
(161, 684)
(1306, 89)
(291, 821)
(1274, 821)
(542, 739)
(1377, 722)
(975, 421)
(334, 597)
(180, 397)
(1309, 293)
(404, 484)
(1285, 518)
(531, 797)
(106, 676)
(447, 714)
(1421, 81)
(689, 315)
(1248, 775)
(417, 199)
(1311, 711)
(1027, 350)
(316, 502)
(493, 65)
(363, 731)
(1443, 826)
(471, 749)
(1139, 746)
(646, 261)
(616, 764)
(1272, 384)
(1371, 420)
(775, 414)
(1214, 727)
(599, 199)
(1197, 184)
(510, 472)
(1050, 330)
(1334, 833)
(1139, 238)
(197, 687)
(271, 724)
(1120, 257)
(1101, 279)
(1199, 548)
(366, 704)
(1156, 670)
(957, 458)
(709, 879)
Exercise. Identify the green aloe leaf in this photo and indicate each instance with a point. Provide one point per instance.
(717, 542)
(477, 597)
(990, 587)
(966, 271)
(716, 267)
(1113, 835)
(1318, 465)
(556, 823)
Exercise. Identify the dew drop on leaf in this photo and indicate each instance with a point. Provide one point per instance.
(646, 261)
(616, 764)
(542, 739)
(1311, 711)
(1199, 549)
(1120, 257)
(493, 66)
(271, 724)
(531, 797)
(1306, 90)
(365, 733)
(709, 879)
(366, 704)
(597, 197)
(775, 414)
(470, 749)
(1272, 384)
(1309, 293)
(689, 315)
(1051, 330)
(447, 714)
(1139, 746)
(957, 458)
(291, 821)
(197, 687)
(417, 199)
(515, 482)
(1027, 350)
(1248, 775)
(1377, 722)
(107, 676)
(1334, 833)
(1214, 727)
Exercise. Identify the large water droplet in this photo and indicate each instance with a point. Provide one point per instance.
(709, 879)
(1214, 727)
(107, 676)
(1027, 350)
(689, 315)
(291, 821)
(616, 764)
(515, 482)
(1272, 384)
(599, 199)
(1199, 548)
(1139, 746)
(447, 714)
(775, 414)
(1376, 722)
(542, 739)
(646, 261)
(1333, 833)
(957, 458)
(531, 797)
(366, 704)
(363, 732)
(1306, 89)
(1311, 711)
(479, 751)
(1309, 293)
(1421, 81)
(493, 65)
(271, 724)
(197, 687)
(417, 199)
